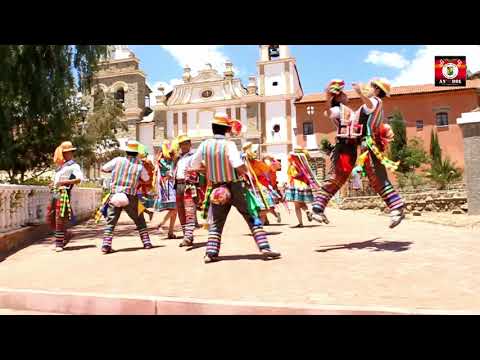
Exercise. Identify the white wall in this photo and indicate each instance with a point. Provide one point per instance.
(294, 123)
(191, 121)
(205, 120)
(218, 94)
(274, 72)
(146, 136)
(170, 124)
(275, 114)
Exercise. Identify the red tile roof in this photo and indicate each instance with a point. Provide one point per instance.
(397, 90)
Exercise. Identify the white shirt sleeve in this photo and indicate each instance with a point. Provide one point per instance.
(335, 113)
(234, 155)
(109, 166)
(367, 110)
(196, 160)
(77, 172)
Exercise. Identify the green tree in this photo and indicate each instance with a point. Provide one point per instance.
(435, 149)
(38, 87)
(98, 141)
(399, 142)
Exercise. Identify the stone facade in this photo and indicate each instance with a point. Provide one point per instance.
(435, 201)
(471, 138)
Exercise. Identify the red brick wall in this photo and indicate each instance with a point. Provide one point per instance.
(413, 107)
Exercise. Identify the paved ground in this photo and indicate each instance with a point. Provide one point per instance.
(354, 261)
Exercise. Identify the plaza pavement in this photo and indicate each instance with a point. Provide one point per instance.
(356, 262)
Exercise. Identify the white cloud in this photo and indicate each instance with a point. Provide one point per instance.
(421, 69)
(196, 56)
(390, 59)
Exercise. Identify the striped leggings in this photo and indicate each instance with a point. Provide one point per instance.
(57, 222)
(186, 208)
(113, 214)
(220, 213)
(340, 171)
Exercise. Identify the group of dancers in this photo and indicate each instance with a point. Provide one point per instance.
(217, 175)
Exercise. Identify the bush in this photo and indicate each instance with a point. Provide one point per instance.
(40, 181)
(444, 173)
(410, 179)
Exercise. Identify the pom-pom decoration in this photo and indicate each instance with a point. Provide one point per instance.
(220, 196)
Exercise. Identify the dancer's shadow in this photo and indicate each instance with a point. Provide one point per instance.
(244, 257)
(267, 232)
(196, 246)
(78, 247)
(305, 226)
(395, 246)
(137, 248)
(276, 225)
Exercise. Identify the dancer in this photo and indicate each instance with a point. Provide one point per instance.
(126, 174)
(186, 190)
(275, 166)
(299, 189)
(224, 171)
(145, 188)
(59, 211)
(165, 186)
(364, 127)
(260, 184)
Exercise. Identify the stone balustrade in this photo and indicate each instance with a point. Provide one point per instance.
(22, 205)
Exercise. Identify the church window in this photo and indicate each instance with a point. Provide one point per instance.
(120, 95)
(273, 51)
(276, 128)
(207, 93)
(275, 83)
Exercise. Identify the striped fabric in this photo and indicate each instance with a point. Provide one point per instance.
(375, 118)
(213, 243)
(126, 175)
(215, 155)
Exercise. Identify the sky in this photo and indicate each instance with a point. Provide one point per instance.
(316, 64)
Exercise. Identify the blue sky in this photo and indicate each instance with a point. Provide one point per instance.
(317, 64)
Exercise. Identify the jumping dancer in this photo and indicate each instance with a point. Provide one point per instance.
(126, 174)
(224, 171)
(68, 174)
(364, 128)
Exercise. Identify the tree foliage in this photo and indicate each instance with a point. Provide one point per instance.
(98, 141)
(38, 87)
(411, 153)
(435, 149)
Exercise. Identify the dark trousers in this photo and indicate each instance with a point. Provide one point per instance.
(220, 213)
(113, 214)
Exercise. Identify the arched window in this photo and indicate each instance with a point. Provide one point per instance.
(120, 95)
(442, 119)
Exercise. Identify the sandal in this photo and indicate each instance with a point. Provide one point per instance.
(297, 226)
(172, 236)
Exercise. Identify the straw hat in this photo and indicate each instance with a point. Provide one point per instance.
(183, 138)
(67, 146)
(382, 84)
(131, 146)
